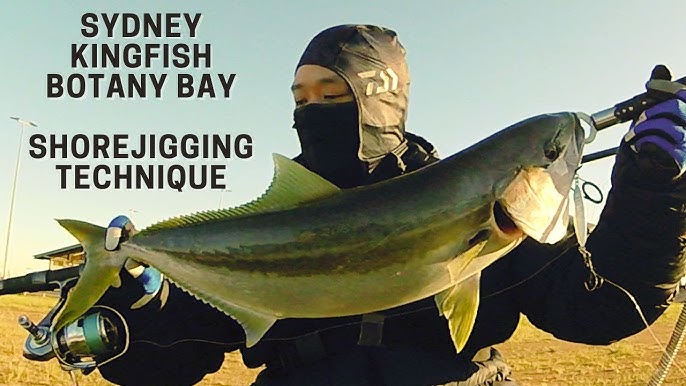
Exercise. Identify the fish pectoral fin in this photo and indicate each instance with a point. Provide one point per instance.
(459, 305)
(101, 271)
(292, 185)
(458, 264)
(255, 324)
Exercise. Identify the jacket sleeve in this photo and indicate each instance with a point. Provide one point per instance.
(173, 341)
(638, 247)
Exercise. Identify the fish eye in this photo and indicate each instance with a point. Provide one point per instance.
(552, 151)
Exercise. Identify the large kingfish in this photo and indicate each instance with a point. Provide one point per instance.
(306, 249)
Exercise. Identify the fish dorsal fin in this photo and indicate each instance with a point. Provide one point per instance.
(292, 185)
(459, 305)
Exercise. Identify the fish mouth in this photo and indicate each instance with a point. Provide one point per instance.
(504, 220)
(535, 203)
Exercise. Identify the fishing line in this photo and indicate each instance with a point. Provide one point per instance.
(595, 280)
(422, 309)
(511, 287)
(174, 343)
(293, 337)
(638, 309)
(584, 189)
(645, 322)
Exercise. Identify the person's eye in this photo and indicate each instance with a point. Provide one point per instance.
(335, 96)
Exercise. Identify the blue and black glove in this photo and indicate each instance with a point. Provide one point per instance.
(175, 338)
(658, 137)
(150, 279)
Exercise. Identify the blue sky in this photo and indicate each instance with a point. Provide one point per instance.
(476, 67)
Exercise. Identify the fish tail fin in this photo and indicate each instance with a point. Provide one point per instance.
(101, 271)
(86, 233)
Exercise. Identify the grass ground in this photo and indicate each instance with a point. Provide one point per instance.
(538, 359)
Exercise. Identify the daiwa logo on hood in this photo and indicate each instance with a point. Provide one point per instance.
(388, 77)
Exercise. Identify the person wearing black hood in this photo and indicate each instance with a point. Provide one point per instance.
(351, 94)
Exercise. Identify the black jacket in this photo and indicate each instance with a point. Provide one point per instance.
(637, 245)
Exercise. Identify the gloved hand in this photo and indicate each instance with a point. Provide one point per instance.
(492, 370)
(658, 136)
(175, 339)
(151, 280)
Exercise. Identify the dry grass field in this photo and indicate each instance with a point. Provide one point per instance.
(538, 359)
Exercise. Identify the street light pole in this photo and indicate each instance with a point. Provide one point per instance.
(22, 124)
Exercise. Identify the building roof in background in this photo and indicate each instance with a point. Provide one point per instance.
(72, 249)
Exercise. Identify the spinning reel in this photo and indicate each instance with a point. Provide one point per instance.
(95, 338)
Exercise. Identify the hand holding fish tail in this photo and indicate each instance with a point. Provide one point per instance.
(466, 218)
(119, 230)
(142, 299)
(150, 279)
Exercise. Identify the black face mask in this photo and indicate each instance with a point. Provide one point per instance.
(330, 139)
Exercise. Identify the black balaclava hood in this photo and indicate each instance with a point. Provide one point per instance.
(372, 62)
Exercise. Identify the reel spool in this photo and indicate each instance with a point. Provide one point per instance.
(95, 338)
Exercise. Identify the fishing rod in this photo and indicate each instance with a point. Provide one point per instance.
(39, 281)
(105, 330)
(599, 155)
(97, 337)
(659, 89)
